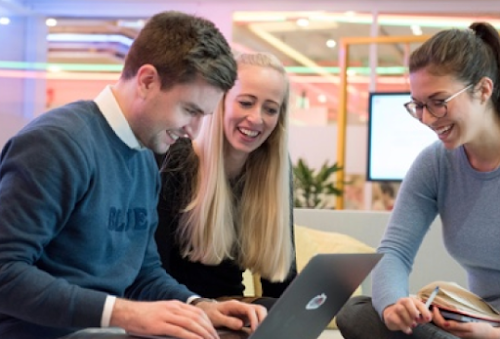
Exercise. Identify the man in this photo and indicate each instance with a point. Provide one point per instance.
(78, 196)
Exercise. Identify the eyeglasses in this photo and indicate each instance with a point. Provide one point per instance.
(437, 108)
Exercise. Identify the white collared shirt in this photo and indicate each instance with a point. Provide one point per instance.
(109, 107)
(113, 114)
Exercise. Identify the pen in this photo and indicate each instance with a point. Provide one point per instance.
(431, 297)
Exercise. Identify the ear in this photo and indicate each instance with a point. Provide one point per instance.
(485, 89)
(147, 80)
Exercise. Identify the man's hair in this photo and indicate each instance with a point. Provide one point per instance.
(182, 48)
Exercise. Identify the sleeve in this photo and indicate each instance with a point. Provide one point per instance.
(414, 211)
(43, 174)
(153, 282)
(273, 289)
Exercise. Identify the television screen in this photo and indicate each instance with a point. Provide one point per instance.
(395, 138)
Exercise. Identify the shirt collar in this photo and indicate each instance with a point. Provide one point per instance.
(113, 114)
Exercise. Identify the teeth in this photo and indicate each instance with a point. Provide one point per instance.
(173, 136)
(443, 130)
(248, 132)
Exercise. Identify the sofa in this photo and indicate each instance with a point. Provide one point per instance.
(352, 231)
(431, 263)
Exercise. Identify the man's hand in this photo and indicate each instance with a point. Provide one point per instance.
(233, 314)
(171, 318)
(406, 314)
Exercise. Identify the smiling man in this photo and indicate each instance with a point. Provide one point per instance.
(79, 189)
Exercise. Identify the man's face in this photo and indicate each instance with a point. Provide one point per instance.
(166, 115)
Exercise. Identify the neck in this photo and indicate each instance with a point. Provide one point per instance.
(234, 162)
(484, 152)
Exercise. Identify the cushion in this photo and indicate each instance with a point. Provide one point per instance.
(309, 242)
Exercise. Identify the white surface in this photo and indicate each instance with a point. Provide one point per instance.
(330, 334)
(395, 137)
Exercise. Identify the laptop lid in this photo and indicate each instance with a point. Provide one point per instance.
(315, 296)
(312, 299)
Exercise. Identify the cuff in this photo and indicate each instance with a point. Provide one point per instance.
(107, 310)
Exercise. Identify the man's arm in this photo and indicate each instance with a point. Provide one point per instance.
(36, 193)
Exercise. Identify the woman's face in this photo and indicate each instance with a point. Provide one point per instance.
(252, 108)
(465, 113)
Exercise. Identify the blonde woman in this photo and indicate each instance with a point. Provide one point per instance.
(226, 201)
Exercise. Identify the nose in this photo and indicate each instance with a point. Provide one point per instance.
(255, 115)
(427, 117)
(193, 128)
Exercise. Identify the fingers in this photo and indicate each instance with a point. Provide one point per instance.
(404, 315)
(171, 318)
(233, 314)
(256, 315)
(185, 333)
(195, 320)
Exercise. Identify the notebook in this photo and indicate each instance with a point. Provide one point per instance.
(312, 299)
(457, 303)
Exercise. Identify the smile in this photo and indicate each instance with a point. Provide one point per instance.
(443, 129)
(248, 132)
(173, 135)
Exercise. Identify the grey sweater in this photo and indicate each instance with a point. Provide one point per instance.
(443, 182)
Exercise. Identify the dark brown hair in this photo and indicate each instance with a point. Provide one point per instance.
(182, 47)
(467, 54)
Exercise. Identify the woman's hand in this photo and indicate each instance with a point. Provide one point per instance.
(406, 314)
(480, 330)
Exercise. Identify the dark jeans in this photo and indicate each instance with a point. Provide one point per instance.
(359, 320)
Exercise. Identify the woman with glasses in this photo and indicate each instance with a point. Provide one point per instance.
(455, 88)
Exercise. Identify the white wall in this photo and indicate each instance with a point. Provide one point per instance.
(10, 124)
(317, 144)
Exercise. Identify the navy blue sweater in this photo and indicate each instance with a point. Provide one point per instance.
(77, 222)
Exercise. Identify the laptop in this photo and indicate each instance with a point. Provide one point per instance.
(312, 299)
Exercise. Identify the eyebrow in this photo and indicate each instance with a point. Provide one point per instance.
(254, 98)
(195, 107)
(431, 97)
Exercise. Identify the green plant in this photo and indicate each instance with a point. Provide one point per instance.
(314, 189)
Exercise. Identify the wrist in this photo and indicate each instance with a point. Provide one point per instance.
(196, 301)
(120, 314)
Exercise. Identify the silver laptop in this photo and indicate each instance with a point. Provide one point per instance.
(312, 299)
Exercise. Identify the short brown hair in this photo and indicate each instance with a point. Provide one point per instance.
(182, 47)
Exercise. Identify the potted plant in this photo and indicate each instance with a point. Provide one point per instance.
(312, 188)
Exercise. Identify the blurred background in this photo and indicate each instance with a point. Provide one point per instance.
(56, 51)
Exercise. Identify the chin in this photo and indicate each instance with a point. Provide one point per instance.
(451, 145)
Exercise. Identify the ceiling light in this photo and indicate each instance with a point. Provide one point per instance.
(322, 98)
(76, 37)
(302, 22)
(4, 21)
(51, 22)
(137, 24)
(416, 30)
(54, 68)
(330, 43)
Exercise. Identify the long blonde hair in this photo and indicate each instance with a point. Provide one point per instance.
(255, 230)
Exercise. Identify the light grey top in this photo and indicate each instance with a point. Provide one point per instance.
(443, 181)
